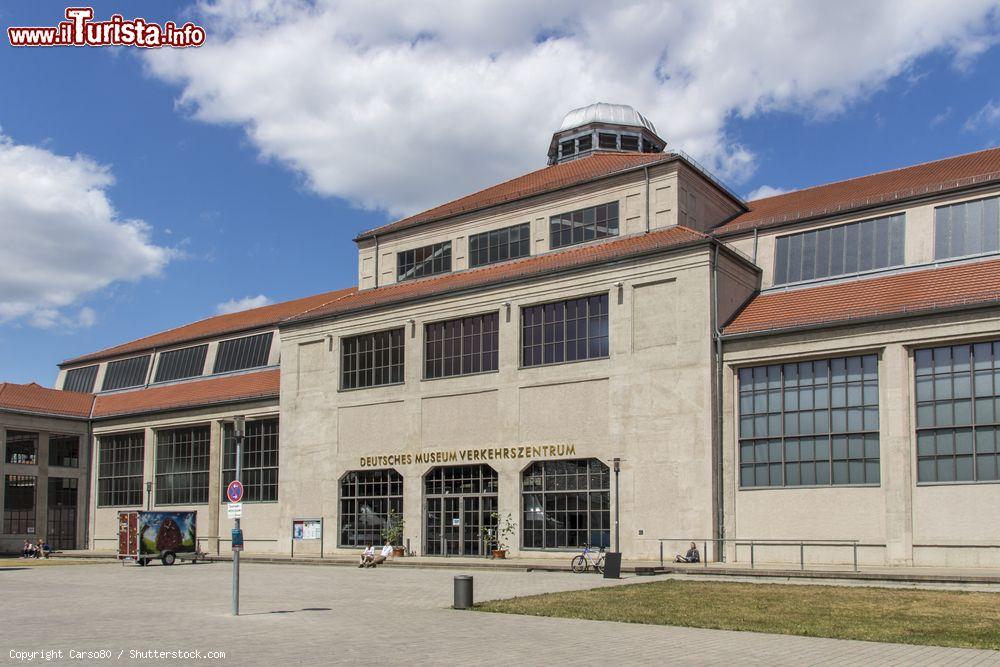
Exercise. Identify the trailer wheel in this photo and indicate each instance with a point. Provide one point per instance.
(168, 558)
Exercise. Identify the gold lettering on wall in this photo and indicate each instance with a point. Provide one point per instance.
(467, 455)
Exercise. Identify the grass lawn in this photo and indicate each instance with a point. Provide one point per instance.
(938, 618)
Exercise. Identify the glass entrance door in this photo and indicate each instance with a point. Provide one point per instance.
(459, 501)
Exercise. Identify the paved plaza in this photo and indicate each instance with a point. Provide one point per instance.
(339, 615)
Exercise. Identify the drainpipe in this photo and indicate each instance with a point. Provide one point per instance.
(645, 171)
(376, 260)
(754, 245)
(720, 528)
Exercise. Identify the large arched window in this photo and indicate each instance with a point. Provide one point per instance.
(367, 499)
(566, 504)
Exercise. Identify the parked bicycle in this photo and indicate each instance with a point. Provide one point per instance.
(590, 558)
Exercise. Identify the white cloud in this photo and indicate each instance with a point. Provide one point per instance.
(988, 116)
(400, 106)
(765, 191)
(61, 238)
(246, 303)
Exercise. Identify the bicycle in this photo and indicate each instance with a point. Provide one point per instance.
(584, 561)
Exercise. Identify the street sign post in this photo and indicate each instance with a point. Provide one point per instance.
(234, 493)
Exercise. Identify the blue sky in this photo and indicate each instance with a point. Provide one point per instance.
(243, 206)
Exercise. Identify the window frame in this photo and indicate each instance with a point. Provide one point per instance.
(402, 364)
(972, 426)
(965, 202)
(461, 338)
(190, 473)
(447, 256)
(269, 335)
(848, 231)
(196, 350)
(28, 516)
(522, 493)
(583, 225)
(401, 497)
(90, 370)
(248, 486)
(145, 372)
(64, 436)
(520, 331)
(99, 496)
(829, 434)
(523, 228)
(34, 437)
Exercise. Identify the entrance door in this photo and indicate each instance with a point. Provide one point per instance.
(452, 519)
(459, 501)
(61, 526)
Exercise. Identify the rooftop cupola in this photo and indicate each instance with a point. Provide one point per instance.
(603, 127)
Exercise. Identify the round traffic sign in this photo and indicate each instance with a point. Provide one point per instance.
(234, 491)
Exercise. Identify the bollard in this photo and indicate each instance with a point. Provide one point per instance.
(463, 592)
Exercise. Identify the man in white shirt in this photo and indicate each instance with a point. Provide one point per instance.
(386, 552)
(367, 556)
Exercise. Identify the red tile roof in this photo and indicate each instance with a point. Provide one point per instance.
(593, 253)
(912, 292)
(547, 179)
(41, 400)
(244, 387)
(219, 325)
(885, 187)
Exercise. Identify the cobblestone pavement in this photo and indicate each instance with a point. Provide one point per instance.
(321, 616)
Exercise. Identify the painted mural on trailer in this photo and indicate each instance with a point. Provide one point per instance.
(167, 531)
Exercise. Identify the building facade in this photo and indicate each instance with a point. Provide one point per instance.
(612, 350)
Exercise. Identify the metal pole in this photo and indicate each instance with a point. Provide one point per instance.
(855, 556)
(238, 436)
(618, 465)
(704, 553)
(149, 491)
(751, 554)
(661, 553)
(802, 555)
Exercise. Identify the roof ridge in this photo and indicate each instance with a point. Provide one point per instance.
(877, 173)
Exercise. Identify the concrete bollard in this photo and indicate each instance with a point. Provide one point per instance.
(463, 592)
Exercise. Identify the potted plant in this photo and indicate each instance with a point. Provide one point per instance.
(500, 534)
(393, 532)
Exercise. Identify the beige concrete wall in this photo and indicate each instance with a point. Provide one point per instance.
(42, 471)
(676, 195)
(919, 248)
(903, 522)
(649, 403)
(259, 518)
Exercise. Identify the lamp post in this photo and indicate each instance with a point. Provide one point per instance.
(149, 491)
(618, 467)
(238, 423)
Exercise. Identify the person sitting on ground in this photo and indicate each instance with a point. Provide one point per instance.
(27, 549)
(386, 552)
(43, 549)
(367, 556)
(692, 555)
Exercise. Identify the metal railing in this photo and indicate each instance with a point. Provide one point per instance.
(754, 544)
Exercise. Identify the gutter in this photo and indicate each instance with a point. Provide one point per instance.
(718, 441)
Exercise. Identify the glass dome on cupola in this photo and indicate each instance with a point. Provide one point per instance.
(603, 127)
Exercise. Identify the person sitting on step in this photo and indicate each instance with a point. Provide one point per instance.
(692, 555)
